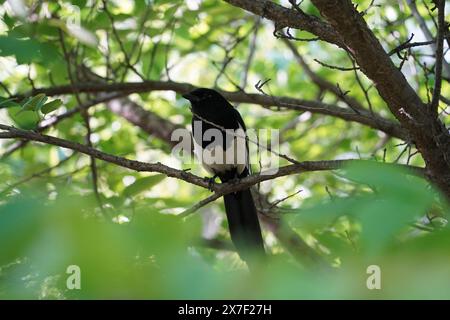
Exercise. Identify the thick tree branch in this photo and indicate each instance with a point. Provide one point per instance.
(223, 188)
(371, 57)
(364, 117)
(288, 238)
(295, 19)
(427, 131)
(347, 24)
(148, 121)
(12, 132)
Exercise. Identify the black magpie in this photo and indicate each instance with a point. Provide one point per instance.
(221, 145)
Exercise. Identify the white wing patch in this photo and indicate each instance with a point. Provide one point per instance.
(215, 160)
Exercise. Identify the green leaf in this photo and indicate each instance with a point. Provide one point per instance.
(143, 184)
(8, 20)
(6, 103)
(25, 51)
(51, 106)
(34, 103)
(28, 50)
(27, 120)
(22, 31)
(49, 54)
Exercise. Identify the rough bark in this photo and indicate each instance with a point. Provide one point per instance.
(296, 19)
(427, 132)
(350, 31)
(148, 121)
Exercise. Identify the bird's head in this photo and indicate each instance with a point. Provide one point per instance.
(204, 97)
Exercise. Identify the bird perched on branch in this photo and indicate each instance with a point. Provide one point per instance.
(221, 145)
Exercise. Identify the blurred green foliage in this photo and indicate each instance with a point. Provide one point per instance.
(154, 255)
(367, 214)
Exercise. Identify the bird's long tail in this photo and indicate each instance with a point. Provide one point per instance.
(244, 226)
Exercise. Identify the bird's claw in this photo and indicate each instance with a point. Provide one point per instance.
(211, 181)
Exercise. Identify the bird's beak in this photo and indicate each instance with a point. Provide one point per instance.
(190, 97)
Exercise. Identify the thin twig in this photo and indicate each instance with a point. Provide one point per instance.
(363, 88)
(425, 30)
(335, 67)
(251, 53)
(53, 121)
(119, 41)
(407, 45)
(85, 115)
(280, 35)
(439, 56)
(277, 202)
(34, 175)
(4, 87)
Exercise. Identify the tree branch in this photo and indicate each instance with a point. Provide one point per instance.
(366, 118)
(86, 119)
(407, 45)
(148, 121)
(425, 30)
(288, 238)
(53, 121)
(295, 19)
(322, 82)
(439, 57)
(428, 132)
(223, 188)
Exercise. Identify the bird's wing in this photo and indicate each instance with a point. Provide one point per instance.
(242, 125)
